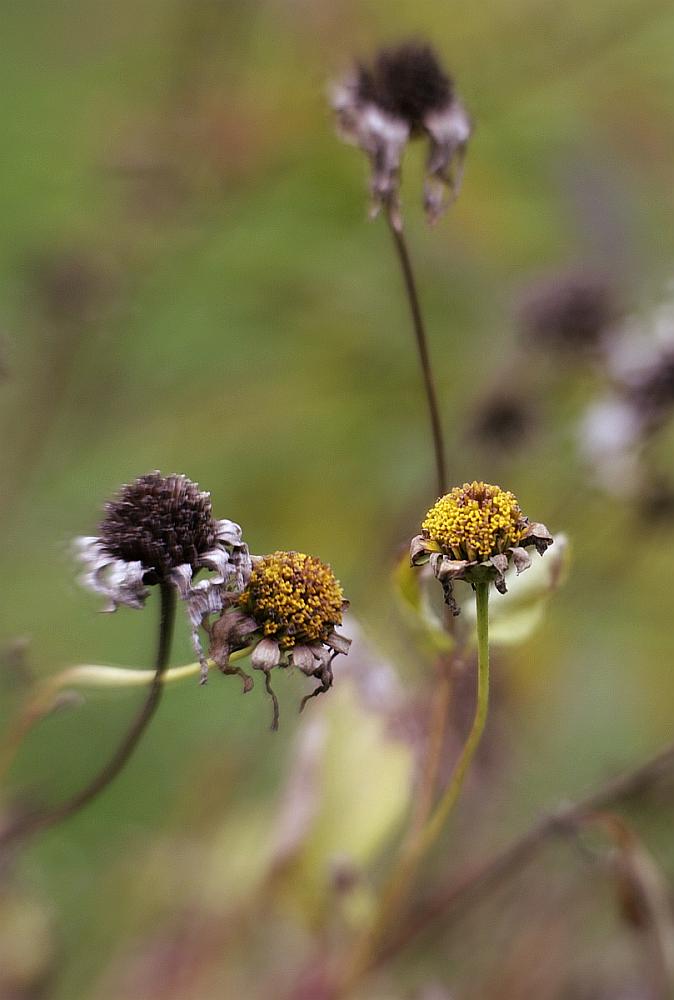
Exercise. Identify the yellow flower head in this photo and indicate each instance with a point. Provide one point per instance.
(475, 521)
(295, 598)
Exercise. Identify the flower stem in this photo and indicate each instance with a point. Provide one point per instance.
(400, 243)
(418, 845)
(29, 823)
(55, 690)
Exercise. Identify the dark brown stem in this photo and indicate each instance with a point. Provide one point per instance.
(454, 898)
(402, 251)
(30, 823)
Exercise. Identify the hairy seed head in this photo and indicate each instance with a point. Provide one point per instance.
(161, 521)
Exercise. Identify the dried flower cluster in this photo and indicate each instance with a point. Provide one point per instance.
(403, 95)
(161, 530)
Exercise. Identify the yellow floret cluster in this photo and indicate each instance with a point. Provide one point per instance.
(475, 520)
(295, 598)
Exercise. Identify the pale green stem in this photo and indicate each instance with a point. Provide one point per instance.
(90, 675)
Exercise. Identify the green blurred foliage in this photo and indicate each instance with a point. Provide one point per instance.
(188, 282)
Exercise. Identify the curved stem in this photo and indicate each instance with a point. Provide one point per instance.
(28, 824)
(422, 346)
(418, 846)
(54, 690)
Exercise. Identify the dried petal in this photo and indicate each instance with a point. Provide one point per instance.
(419, 550)
(266, 655)
(449, 131)
(538, 536)
(449, 569)
(521, 559)
(500, 564)
(303, 658)
(339, 643)
(118, 581)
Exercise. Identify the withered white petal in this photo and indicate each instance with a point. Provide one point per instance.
(118, 581)
(204, 599)
(181, 577)
(228, 532)
(380, 135)
(449, 131)
(217, 560)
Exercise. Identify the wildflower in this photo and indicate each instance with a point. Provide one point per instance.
(161, 530)
(289, 610)
(403, 95)
(473, 533)
(568, 312)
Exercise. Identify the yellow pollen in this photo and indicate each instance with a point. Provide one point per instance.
(295, 598)
(475, 521)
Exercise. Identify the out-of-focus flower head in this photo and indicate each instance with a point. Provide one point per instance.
(615, 431)
(656, 500)
(290, 610)
(649, 387)
(502, 420)
(161, 530)
(473, 533)
(570, 312)
(402, 95)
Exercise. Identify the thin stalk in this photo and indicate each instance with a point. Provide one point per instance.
(402, 251)
(418, 846)
(54, 691)
(31, 823)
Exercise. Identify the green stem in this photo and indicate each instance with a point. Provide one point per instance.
(93, 675)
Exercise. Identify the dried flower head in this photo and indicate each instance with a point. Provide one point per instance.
(290, 609)
(649, 387)
(502, 421)
(402, 95)
(161, 530)
(568, 312)
(472, 533)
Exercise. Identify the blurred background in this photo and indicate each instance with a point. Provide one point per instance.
(188, 282)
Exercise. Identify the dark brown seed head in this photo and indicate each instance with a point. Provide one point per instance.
(651, 390)
(407, 82)
(161, 521)
(569, 312)
(502, 421)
